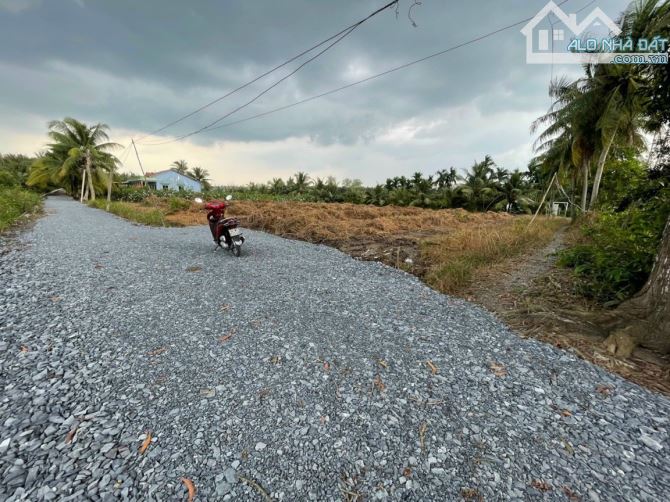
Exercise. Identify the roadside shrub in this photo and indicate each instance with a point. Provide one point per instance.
(130, 194)
(8, 179)
(15, 202)
(140, 194)
(178, 204)
(617, 250)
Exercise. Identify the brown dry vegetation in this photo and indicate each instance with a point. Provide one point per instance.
(333, 223)
(445, 247)
(455, 259)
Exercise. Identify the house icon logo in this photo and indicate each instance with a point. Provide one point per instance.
(548, 45)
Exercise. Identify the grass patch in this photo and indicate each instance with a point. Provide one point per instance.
(151, 216)
(453, 260)
(15, 202)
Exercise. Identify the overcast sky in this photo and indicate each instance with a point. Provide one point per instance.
(137, 65)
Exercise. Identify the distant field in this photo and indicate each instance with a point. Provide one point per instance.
(445, 247)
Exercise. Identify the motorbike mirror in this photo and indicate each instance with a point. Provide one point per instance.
(198, 200)
(229, 197)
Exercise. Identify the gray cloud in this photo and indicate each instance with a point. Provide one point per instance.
(138, 65)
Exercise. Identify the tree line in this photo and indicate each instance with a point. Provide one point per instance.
(483, 187)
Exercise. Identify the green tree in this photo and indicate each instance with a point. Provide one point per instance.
(478, 188)
(78, 159)
(446, 178)
(277, 186)
(619, 88)
(568, 142)
(514, 192)
(302, 182)
(181, 166)
(14, 169)
(201, 175)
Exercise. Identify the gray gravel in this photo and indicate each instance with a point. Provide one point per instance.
(322, 389)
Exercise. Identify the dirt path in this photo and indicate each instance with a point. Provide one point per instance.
(516, 275)
(535, 298)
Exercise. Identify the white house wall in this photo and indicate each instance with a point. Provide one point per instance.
(174, 181)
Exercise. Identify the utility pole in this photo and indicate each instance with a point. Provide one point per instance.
(140, 163)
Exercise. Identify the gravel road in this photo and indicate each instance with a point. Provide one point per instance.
(294, 372)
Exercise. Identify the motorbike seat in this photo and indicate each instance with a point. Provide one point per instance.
(229, 221)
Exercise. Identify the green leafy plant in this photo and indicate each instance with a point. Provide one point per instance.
(618, 249)
(14, 202)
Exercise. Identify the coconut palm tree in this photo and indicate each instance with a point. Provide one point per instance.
(181, 166)
(568, 141)
(301, 182)
(513, 191)
(78, 157)
(622, 113)
(201, 175)
(277, 186)
(478, 188)
(629, 90)
(376, 196)
(500, 175)
(446, 178)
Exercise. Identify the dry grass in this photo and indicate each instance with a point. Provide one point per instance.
(336, 223)
(454, 259)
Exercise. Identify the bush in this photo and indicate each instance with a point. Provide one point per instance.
(8, 179)
(618, 250)
(139, 194)
(14, 202)
(130, 194)
(177, 204)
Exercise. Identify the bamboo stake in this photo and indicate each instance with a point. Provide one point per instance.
(83, 184)
(109, 188)
(542, 201)
(90, 175)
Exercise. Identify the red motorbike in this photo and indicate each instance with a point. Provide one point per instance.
(222, 228)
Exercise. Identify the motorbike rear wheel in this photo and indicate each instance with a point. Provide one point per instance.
(236, 250)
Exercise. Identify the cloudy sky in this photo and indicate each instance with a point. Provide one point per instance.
(138, 65)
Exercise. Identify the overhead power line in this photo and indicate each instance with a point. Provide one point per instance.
(268, 89)
(343, 32)
(358, 82)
